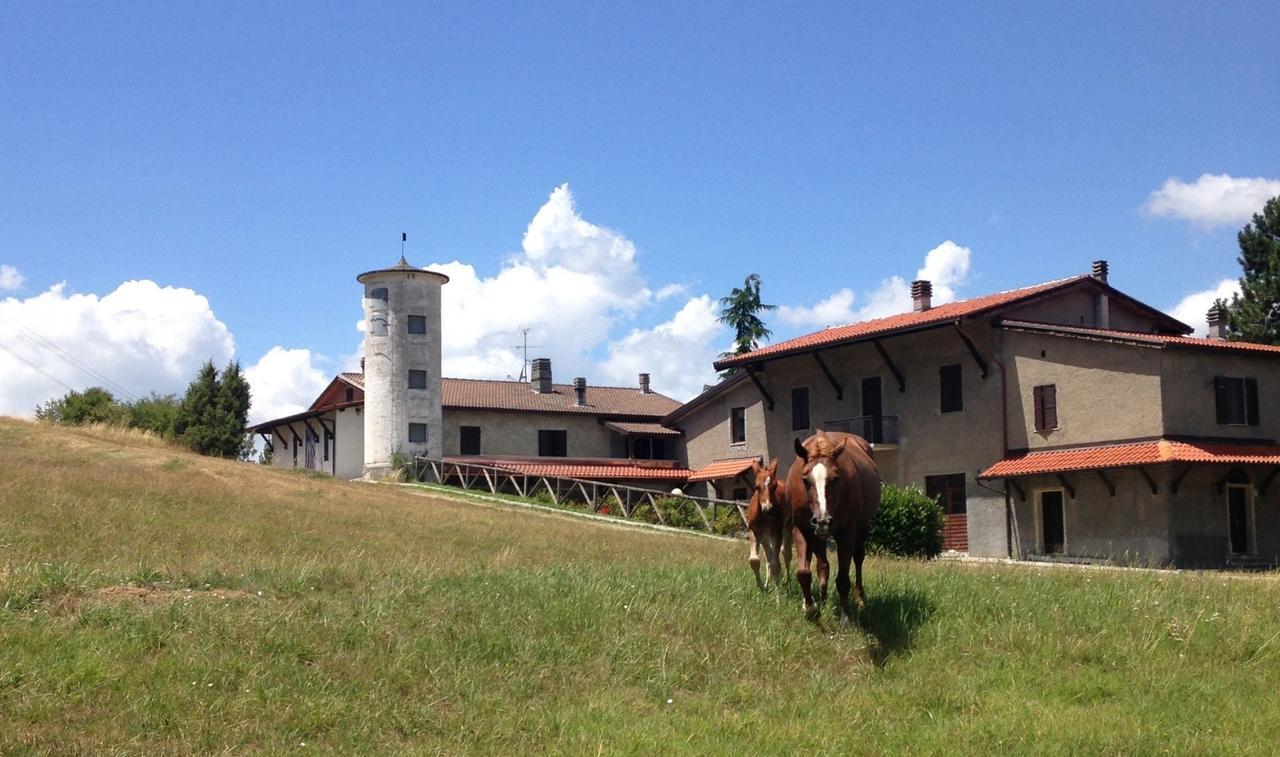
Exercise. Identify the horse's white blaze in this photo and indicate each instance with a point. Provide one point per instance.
(765, 504)
(819, 475)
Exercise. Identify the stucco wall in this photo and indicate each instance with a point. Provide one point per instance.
(1199, 518)
(1105, 391)
(707, 428)
(1189, 404)
(517, 433)
(349, 433)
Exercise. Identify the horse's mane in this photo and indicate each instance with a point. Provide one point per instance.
(820, 446)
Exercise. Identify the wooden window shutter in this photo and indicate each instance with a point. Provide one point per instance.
(1038, 399)
(1050, 398)
(1220, 397)
(1251, 401)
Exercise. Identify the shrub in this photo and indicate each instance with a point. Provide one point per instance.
(644, 512)
(909, 523)
(681, 512)
(728, 522)
(542, 497)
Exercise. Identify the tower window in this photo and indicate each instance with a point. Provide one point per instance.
(417, 379)
(417, 433)
(417, 324)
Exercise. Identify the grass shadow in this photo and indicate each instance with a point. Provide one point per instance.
(892, 619)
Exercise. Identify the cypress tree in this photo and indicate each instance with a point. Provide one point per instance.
(197, 418)
(1254, 313)
(232, 413)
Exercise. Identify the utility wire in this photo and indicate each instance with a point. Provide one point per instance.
(36, 367)
(39, 340)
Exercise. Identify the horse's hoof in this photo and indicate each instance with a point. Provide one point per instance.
(811, 612)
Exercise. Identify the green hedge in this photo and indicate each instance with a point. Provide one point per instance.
(909, 523)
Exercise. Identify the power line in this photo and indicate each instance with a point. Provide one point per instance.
(36, 367)
(40, 340)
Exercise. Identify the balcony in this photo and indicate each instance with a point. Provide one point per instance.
(880, 430)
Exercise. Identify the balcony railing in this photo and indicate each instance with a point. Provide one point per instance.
(877, 429)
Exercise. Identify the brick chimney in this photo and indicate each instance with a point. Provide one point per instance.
(1217, 322)
(644, 384)
(540, 375)
(580, 391)
(921, 295)
(1099, 270)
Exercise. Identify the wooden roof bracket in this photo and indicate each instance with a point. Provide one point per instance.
(1012, 483)
(973, 350)
(1110, 486)
(1150, 481)
(265, 440)
(830, 378)
(310, 428)
(751, 373)
(1177, 480)
(1071, 490)
(888, 361)
(327, 428)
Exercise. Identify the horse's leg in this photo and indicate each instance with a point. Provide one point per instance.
(788, 536)
(859, 552)
(844, 550)
(771, 554)
(824, 569)
(754, 559)
(803, 576)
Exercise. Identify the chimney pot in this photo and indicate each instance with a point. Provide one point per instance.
(644, 384)
(1217, 322)
(1100, 270)
(921, 295)
(540, 375)
(580, 391)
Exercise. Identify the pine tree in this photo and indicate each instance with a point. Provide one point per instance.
(741, 310)
(233, 413)
(197, 418)
(1254, 313)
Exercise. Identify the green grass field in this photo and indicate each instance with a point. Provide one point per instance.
(152, 601)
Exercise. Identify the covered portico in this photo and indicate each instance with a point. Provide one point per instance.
(1183, 503)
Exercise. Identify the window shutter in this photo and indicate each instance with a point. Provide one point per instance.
(1220, 397)
(1038, 399)
(1050, 396)
(1251, 400)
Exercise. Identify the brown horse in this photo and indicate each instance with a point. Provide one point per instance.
(834, 491)
(769, 525)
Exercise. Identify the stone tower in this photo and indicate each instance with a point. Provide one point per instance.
(401, 365)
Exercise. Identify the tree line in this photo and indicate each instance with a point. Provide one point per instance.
(210, 418)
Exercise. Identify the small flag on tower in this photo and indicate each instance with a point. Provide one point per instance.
(404, 236)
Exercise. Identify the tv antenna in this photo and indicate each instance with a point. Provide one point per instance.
(524, 349)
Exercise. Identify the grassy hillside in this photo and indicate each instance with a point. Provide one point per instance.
(152, 601)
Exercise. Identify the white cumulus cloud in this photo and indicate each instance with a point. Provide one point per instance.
(1192, 309)
(945, 266)
(1212, 200)
(10, 278)
(284, 382)
(834, 310)
(676, 353)
(141, 337)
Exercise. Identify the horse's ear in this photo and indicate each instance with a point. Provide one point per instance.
(801, 452)
(773, 468)
(835, 453)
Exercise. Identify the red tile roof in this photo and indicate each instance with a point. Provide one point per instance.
(485, 394)
(641, 429)
(949, 311)
(1157, 340)
(730, 468)
(1129, 455)
(602, 470)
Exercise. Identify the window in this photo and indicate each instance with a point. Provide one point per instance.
(470, 441)
(351, 394)
(417, 324)
(1045, 398)
(328, 437)
(952, 389)
(800, 409)
(417, 379)
(553, 443)
(417, 433)
(1237, 400)
(948, 490)
(648, 448)
(738, 425)
(378, 312)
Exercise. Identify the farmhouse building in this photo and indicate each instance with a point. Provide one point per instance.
(539, 427)
(1065, 420)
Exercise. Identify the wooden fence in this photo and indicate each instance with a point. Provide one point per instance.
(594, 495)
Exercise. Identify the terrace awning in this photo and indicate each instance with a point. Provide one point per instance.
(731, 468)
(1130, 455)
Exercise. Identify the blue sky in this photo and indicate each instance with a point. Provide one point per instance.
(262, 156)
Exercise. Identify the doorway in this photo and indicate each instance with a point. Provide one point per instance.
(1238, 519)
(1053, 537)
(872, 410)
